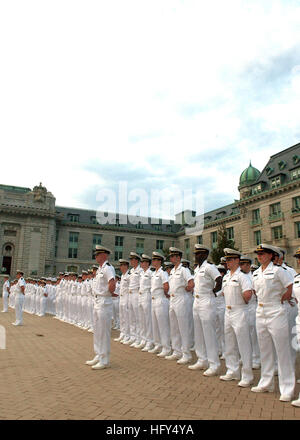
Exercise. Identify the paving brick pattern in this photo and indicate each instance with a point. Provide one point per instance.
(43, 376)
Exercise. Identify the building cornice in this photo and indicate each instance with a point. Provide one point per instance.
(114, 228)
(268, 194)
(218, 222)
(26, 210)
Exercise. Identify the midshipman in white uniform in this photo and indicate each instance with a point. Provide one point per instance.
(237, 290)
(103, 288)
(5, 293)
(273, 286)
(19, 297)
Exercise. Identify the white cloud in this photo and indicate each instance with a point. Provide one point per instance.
(80, 80)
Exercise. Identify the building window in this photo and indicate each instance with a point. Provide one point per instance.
(295, 174)
(257, 237)
(281, 165)
(296, 159)
(200, 239)
(297, 225)
(277, 232)
(296, 203)
(97, 239)
(93, 220)
(255, 214)
(275, 182)
(257, 189)
(214, 239)
(119, 241)
(118, 255)
(140, 246)
(73, 218)
(55, 251)
(139, 225)
(230, 233)
(73, 244)
(159, 245)
(275, 209)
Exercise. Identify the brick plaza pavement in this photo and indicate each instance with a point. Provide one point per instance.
(43, 376)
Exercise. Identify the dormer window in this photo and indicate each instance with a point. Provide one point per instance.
(220, 214)
(276, 182)
(281, 164)
(295, 174)
(73, 218)
(296, 159)
(257, 189)
(269, 171)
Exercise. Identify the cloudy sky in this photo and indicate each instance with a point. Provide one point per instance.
(162, 95)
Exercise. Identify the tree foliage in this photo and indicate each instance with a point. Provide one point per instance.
(222, 242)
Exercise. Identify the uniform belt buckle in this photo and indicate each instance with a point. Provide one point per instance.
(172, 294)
(260, 304)
(130, 291)
(228, 307)
(153, 297)
(197, 296)
(140, 293)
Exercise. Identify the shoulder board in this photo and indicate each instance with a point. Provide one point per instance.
(284, 268)
(108, 264)
(255, 275)
(209, 262)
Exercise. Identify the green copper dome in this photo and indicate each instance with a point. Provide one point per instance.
(249, 176)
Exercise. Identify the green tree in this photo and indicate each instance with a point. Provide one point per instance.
(222, 242)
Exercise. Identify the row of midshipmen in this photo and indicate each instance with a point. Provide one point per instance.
(271, 283)
(145, 304)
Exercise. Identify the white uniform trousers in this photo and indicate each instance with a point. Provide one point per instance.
(220, 318)
(160, 322)
(133, 306)
(84, 311)
(57, 305)
(43, 304)
(5, 302)
(77, 305)
(191, 321)
(206, 343)
(19, 302)
(69, 308)
(91, 312)
(115, 315)
(145, 317)
(272, 325)
(124, 317)
(253, 333)
(25, 304)
(37, 304)
(102, 328)
(179, 314)
(237, 341)
(292, 312)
